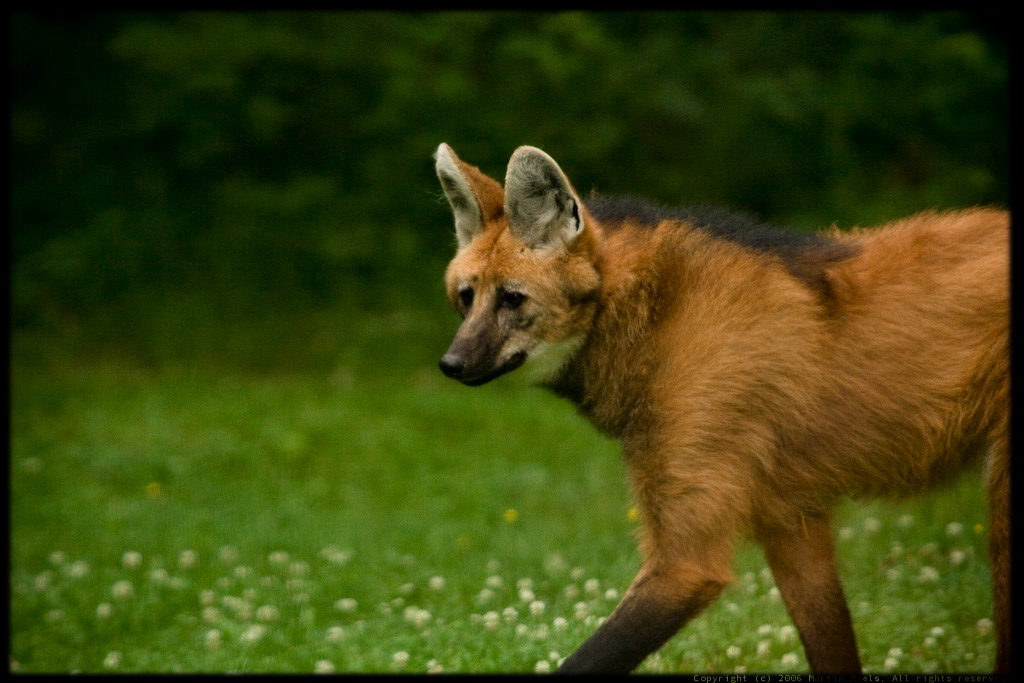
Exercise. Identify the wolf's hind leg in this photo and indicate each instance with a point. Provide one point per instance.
(803, 562)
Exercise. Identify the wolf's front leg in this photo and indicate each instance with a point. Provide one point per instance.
(659, 601)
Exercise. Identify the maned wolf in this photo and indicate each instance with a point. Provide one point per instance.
(755, 377)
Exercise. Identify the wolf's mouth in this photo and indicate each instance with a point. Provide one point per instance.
(508, 366)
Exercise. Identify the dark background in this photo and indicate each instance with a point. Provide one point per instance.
(257, 189)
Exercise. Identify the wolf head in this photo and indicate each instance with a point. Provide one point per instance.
(525, 275)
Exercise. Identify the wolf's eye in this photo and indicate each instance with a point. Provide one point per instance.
(466, 297)
(512, 299)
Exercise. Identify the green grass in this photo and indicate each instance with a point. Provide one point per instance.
(192, 518)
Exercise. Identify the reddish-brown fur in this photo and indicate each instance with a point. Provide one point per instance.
(749, 398)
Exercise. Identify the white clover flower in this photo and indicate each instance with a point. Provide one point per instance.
(891, 662)
(253, 634)
(524, 583)
(871, 525)
(400, 658)
(436, 583)
(526, 595)
(577, 573)
(335, 555)
(42, 580)
(954, 529)
(159, 575)
(244, 611)
(211, 614)
(733, 651)
(104, 610)
(611, 594)
(298, 568)
(905, 521)
(938, 631)
(787, 634)
(494, 581)
(732, 607)
(434, 667)
(214, 639)
(346, 605)
(485, 595)
(491, 620)
(984, 626)
(765, 629)
(559, 623)
(77, 569)
(112, 660)
(57, 557)
(32, 465)
(581, 611)
(187, 559)
(542, 667)
(510, 614)
(122, 589)
(773, 594)
(415, 615)
(764, 647)
(929, 641)
(956, 557)
(267, 613)
(845, 534)
(895, 652)
(335, 634)
(536, 607)
(592, 586)
(279, 558)
(893, 573)
(228, 554)
(207, 598)
(234, 602)
(555, 563)
(324, 666)
(571, 592)
(131, 559)
(928, 574)
(789, 659)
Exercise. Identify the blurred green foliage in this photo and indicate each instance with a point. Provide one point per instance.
(240, 164)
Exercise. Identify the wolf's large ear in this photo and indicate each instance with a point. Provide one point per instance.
(474, 197)
(543, 210)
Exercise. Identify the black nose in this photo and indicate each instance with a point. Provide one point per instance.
(452, 365)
